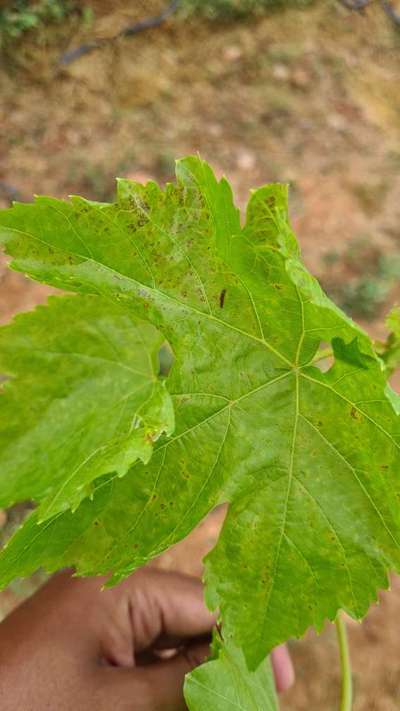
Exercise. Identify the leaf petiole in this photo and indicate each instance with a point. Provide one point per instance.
(345, 664)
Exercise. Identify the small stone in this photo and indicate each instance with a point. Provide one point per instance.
(300, 78)
(281, 72)
(246, 160)
(337, 122)
(232, 53)
(215, 129)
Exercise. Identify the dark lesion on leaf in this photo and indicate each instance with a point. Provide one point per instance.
(355, 413)
(222, 298)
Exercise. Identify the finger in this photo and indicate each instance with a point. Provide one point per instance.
(166, 605)
(283, 668)
(173, 642)
(157, 686)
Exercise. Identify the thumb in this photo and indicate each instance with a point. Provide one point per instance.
(158, 686)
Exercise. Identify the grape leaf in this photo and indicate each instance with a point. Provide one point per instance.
(390, 349)
(84, 400)
(308, 460)
(225, 684)
(393, 321)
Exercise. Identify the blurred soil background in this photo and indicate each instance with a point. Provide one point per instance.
(304, 92)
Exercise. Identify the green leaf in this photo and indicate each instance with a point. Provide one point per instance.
(390, 350)
(83, 400)
(393, 321)
(225, 683)
(308, 460)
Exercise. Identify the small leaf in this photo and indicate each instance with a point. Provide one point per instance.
(226, 684)
(389, 350)
(393, 321)
(83, 400)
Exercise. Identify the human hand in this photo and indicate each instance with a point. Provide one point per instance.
(75, 646)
